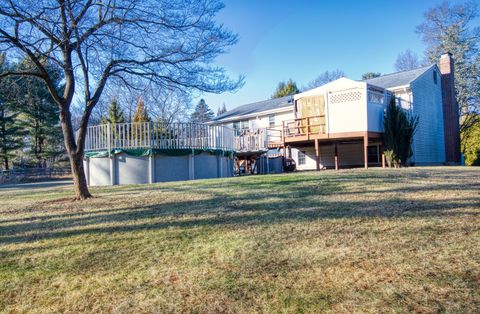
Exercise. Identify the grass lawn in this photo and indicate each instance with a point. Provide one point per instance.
(349, 241)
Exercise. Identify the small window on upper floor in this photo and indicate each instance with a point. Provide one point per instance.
(271, 121)
(236, 125)
(435, 77)
(244, 124)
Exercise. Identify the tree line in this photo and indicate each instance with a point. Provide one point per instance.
(30, 133)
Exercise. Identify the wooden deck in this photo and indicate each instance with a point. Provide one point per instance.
(312, 131)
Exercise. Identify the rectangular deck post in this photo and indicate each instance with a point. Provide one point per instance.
(336, 156)
(317, 154)
(365, 150)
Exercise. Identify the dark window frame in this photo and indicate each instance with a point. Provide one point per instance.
(302, 157)
(271, 123)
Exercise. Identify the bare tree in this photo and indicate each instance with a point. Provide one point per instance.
(407, 60)
(170, 43)
(324, 78)
(168, 105)
(453, 27)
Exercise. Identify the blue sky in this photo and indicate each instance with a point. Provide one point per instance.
(300, 39)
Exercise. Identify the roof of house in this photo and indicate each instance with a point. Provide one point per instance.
(398, 79)
(257, 107)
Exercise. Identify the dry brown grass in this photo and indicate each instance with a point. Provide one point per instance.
(350, 241)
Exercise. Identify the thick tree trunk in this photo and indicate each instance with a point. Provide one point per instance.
(75, 154)
(79, 179)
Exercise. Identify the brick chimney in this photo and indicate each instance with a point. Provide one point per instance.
(451, 121)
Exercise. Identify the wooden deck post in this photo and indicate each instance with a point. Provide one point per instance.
(317, 154)
(383, 160)
(365, 150)
(308, 128)
(336, 156)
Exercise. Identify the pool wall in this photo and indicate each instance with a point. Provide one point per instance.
(127, 169)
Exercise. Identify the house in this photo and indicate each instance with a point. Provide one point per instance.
(340, 123)
(263, 114)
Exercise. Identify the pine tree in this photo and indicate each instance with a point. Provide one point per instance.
(115, 113)
(286, 89)
(221, 110)
(141, 113)
(399, 128)
(370, 75)
(11, 130)
(39, 113)
(202, 113)
(11, 135)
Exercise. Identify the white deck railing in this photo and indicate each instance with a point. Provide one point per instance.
(159, 135)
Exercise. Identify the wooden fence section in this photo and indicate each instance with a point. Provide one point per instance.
(33, 174)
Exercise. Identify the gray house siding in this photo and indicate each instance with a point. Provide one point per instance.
(428, 145)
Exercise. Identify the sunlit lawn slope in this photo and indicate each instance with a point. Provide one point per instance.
(355, 240)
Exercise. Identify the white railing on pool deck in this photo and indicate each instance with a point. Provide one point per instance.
(174, 136)
(159, 135)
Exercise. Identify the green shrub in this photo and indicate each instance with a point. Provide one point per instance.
(399, 128)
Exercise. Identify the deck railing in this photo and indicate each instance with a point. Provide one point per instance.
(159, 135)
(304, 126)
(251, 140)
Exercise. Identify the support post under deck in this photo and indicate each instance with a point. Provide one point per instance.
(317, 154)
(365, 150)
(336, 156)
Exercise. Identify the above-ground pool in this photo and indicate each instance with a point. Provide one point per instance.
(136, 153)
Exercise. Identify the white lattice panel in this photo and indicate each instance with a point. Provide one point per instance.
(345, 97)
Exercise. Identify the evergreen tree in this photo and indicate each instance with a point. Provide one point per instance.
(141, 113)
(202, 113)
(11, 130)
(470, 139)
(115, 113)
(370, 75)
(11, 135)
(286, 89)
(399, 128)
(39, 113)
(221, 110)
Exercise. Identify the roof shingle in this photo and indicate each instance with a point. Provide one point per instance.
(256, 107)
(397, 79)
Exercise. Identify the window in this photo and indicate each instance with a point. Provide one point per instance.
(435, 77)
(271, 120)
(244, 124)
(376, 97)
(301, 157)
(236, 125)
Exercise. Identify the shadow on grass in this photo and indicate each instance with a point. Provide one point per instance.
(257, 201)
